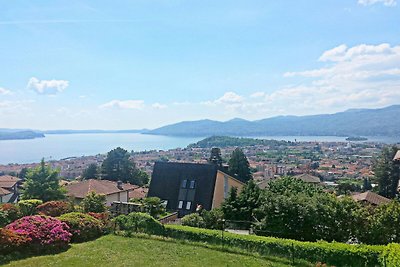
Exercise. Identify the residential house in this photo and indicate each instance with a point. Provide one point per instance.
(114, 191)
(186, 186)
(308, 178)
(9, 192)
(370, 198)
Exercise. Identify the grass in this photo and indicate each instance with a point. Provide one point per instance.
(116, 251)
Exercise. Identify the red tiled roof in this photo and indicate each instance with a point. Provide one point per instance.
(105, 187)
(4, 192)
(371, 197)
(8, 181)
(140, 192)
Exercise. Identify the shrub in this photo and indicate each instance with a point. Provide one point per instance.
(54, 208)
(82, 226)
(11, 241)
(43, 231)
(28, 207)
(213, 219)
(139, 223)
(102, 217)
(12, 210)
(193, 220)
(94, 203)
(391, 255)
(338, 254)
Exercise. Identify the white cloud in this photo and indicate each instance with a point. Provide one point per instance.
(47, 87)
(124, 104)
(229, 98)
(159, 106)
(372, 2)
(4, 91)
(257, 95)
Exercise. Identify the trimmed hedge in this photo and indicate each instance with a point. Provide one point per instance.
(82, 226)
(28, 206)
(391, 255)
(338, 254)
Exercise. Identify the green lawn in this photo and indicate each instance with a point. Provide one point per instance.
(116, 251)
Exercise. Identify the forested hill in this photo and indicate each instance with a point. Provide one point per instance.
(354, 122)
(227, 141)
(14, 135)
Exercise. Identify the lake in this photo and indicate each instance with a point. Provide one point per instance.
(58, 146)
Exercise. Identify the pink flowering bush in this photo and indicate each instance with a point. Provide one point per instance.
(43, 231)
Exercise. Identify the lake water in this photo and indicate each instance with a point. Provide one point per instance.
(58, 146)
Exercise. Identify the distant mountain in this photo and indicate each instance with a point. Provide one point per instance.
(353, 122)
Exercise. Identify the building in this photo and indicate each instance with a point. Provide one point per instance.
(9, 192)
(308, 178)
(114, 191)
(370, 198)
(184, 186)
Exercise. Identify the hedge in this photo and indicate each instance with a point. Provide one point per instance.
(391, 255)
(82, 226)
(338, 254)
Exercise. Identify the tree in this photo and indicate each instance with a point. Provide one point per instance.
(42, 183)
(387, 173)
(22, 174)
(94, 202)
(118, 167)
(215, 157)
(239, 165)
(90, 172)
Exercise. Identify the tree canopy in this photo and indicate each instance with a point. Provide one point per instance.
(118, 167)
(215, 157)
(42, 183)
(239, 165)
(387, 173)
(91, 172)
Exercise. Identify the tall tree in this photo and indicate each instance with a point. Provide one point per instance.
(42, 183)
(91, 172)
(215, 157)
(239, 165)
(387, 172)
(118, 167)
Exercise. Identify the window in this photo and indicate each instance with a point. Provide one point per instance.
(188, 205)
(184, 183)
(180, 204)
(192, 184)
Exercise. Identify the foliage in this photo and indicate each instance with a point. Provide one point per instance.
(82, 226)
(215, 157)
(43, 231)
(139, 223)
(213, 219)
(54, 208)
(345, 187)
(28, 207)
(94, 202)
(91, 172)
(153, 206)
(241, 207)
(11, 241)
(383, 224)
(391, 255)
(8, 213)
(118, 167)
(194, 220)
(103, 217)
(239, 165)
(42, 183)
(338, 254)
(22, 174)
(386, 172)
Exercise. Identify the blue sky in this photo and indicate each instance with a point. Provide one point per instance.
(147, 63)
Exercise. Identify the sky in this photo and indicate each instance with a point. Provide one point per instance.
(147, 63)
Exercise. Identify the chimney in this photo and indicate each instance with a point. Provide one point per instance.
(119, 185)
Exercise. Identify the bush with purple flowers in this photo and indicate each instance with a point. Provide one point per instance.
(43, 231)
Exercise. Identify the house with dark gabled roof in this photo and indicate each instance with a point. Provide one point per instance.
(184, 186)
